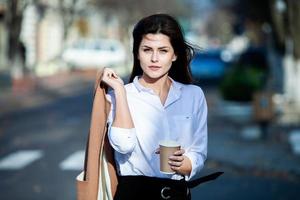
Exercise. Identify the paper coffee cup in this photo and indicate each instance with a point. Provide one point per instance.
(167, 149)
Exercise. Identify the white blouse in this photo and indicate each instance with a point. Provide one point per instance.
(183, 118)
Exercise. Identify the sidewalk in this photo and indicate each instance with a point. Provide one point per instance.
(229, 146)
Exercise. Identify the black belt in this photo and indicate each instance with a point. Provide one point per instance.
(198, 181)
(161, 188)
(144, 187)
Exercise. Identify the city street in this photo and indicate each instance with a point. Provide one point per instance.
(43, 147)
(245, 55)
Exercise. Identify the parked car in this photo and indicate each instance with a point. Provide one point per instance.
(209, 64)
(94, 53)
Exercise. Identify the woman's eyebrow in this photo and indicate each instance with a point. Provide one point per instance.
(163, 47)
(145, 46)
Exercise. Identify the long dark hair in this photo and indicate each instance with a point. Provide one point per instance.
(167, 25)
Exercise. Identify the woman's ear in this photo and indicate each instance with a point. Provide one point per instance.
(174, 58)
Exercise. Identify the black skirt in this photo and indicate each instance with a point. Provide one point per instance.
(152, 188)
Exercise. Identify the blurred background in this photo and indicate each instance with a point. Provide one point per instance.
(248, 65)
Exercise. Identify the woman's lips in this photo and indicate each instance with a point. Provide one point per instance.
(154, 68)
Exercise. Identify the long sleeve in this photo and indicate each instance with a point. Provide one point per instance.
(197, 152)
(123, 140)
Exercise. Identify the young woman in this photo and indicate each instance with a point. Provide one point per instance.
(159, 103)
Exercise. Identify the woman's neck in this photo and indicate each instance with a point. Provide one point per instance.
(159, 86)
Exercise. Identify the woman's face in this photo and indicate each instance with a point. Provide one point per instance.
(156, 55)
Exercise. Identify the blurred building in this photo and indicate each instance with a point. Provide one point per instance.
(49, 26)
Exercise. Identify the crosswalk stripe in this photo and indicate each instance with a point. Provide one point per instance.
(74, 161)
(20, 159)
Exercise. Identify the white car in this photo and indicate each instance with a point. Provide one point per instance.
(95, 53)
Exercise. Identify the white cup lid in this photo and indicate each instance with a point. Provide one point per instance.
(169, 143)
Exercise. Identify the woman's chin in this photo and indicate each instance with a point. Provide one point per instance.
(154, 76)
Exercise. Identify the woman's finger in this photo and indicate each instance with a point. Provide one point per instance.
(115, 75)
(109, 74)
(108, 71)
(157, 151)
(176, 169)
(176, 158)
(179, 152)
(174, 163)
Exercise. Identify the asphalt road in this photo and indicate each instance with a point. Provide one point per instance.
(41, 153)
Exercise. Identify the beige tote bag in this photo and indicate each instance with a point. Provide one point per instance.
(98, 180)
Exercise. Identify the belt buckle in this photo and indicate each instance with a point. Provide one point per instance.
(162, 193)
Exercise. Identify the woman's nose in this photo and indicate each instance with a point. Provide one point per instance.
(154, 57)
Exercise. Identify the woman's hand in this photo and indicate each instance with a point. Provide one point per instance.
(122, 117)
(180, 163)
(112, 79)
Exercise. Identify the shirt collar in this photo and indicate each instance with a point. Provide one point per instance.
(174, 92)
(139, 86)
(176, 86)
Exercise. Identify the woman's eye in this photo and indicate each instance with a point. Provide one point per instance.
(147, 50)
(163, 51)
